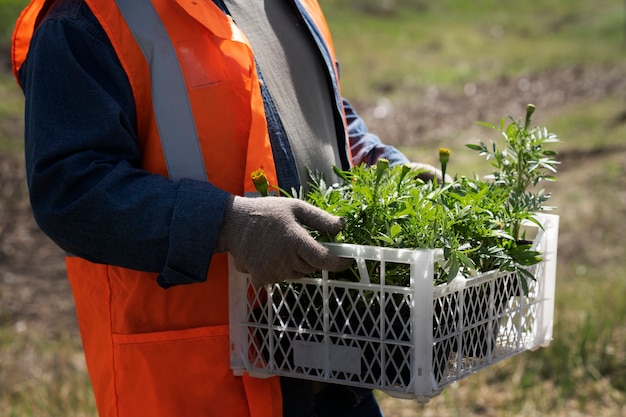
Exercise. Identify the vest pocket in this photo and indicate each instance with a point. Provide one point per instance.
(197, 55)
(176, 373)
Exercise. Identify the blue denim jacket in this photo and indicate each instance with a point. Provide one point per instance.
(88, 191)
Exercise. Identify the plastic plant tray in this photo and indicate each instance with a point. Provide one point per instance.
(410, 342)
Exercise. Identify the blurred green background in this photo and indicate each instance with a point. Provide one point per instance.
(421, 73)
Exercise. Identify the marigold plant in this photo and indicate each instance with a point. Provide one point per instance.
(477, 222)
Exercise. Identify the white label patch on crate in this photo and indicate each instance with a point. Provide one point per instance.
(341, 358)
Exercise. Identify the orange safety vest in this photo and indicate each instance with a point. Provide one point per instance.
(149, 351)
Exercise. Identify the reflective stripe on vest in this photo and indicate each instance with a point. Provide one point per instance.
(172, 108)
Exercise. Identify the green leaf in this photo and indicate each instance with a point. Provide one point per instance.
(485, 124)
(465, 260)
(475, 147)
(341, 174)
(511, 130)
(454, 266)
(524, 275)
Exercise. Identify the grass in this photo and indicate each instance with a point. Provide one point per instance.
(11, 116)
(415, 44)
(9, 10)
(397, 48)
(590, 127)
(42, 375)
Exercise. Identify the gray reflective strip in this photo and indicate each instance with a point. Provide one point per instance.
(172, 108)
(272, 193)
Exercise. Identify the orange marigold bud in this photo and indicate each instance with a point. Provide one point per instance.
(259, 179)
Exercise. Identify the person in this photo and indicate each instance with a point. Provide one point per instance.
(143, 122)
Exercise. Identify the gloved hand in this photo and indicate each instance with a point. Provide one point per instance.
(428, 172)
(267, 238)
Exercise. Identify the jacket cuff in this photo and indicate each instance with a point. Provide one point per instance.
(195, 227)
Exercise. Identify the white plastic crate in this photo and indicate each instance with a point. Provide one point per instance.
(410, 342)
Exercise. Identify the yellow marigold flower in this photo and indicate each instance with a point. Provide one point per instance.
(259, 179)
(258, 176)
(444, 155)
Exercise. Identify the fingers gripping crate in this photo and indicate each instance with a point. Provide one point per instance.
(410, 342)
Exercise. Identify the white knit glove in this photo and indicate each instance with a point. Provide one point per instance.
(267, 238)
(428, 172)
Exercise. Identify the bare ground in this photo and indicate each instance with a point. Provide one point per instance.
(34, 290)
(436, 114)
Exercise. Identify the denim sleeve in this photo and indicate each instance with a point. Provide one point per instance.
(366, 147)
(88, 191)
